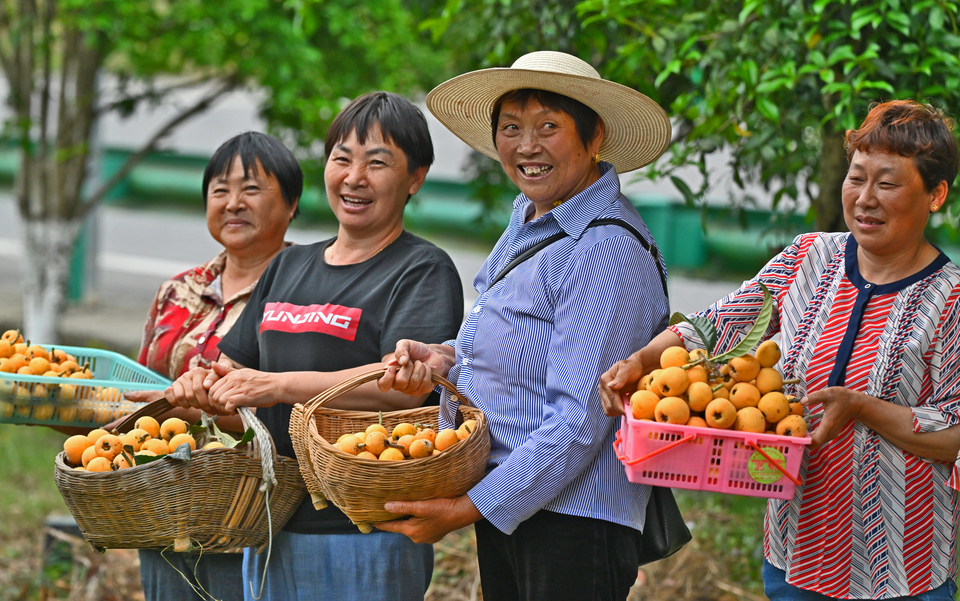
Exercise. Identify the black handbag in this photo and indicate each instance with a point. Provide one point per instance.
(664, 532)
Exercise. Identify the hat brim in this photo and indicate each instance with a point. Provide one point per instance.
(636, 130)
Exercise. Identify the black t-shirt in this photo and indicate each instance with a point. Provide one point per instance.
(307, 315)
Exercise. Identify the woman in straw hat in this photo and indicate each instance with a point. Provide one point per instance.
(555, 515)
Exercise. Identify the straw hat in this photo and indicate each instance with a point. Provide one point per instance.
(636, 129)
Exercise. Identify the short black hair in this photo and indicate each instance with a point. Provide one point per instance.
(400, 122)
(584, 117)
(276, 159)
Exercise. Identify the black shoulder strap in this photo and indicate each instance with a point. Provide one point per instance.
(650, 248)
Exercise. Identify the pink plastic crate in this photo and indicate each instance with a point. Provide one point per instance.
(727, 461)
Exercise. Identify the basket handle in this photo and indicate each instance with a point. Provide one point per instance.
(347, 385)
(616, 448)
(151, 409)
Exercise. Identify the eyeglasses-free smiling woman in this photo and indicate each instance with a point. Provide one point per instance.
(555, 515)
(869, 322)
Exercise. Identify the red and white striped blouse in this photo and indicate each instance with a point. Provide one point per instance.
(871, 521)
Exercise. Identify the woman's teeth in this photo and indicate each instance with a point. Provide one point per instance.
(535, 170)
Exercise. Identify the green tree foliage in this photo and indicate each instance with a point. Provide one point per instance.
(775, 83)
(303, 56)
(778, 82)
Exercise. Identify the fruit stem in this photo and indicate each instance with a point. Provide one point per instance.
(792, 381)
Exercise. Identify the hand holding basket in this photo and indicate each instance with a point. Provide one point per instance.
(360, 487)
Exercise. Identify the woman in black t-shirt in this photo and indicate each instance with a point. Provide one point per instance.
(323, 313)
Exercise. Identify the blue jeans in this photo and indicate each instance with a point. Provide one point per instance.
(219, 574)
(319, 567)
(776, 588)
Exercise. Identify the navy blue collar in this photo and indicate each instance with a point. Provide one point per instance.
(853, 271)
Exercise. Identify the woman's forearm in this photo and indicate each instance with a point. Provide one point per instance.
(895, 423)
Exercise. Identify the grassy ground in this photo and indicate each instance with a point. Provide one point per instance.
(726, 546)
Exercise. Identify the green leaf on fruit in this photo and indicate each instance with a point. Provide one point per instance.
(247, 437)
(182, 453)
(703, 326)
(756, 332)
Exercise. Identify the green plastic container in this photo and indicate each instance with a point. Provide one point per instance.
(59, 401)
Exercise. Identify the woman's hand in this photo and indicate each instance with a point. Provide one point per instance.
(840, 406)
(619, 381)
(431, 520)
(244, 388)
(143, 396)
(411, 370)
(191, 390)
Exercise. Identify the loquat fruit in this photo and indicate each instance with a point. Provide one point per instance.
(181, 439)
(774, 406)
(672, 410)
(446, 438)
(376, 442)
(74, 448)
(109, 446)
(750, 419)
(157, 446)
(149, 425)
(99, 464)
(672, 381)
(420, 448)
(792, 425)
(88, 454)
(744, 368)
(769, 380)
(172, 427)
(391, 454)
(744, 394)
(643, 403)
(699, 395)
(674, 356)
(720, 413)
(768, 353)
(403, 429)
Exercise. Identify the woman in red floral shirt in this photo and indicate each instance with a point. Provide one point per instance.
(251, 188)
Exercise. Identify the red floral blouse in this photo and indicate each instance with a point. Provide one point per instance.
(187, 319)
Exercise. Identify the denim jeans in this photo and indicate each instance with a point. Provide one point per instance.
(219, 574)
(319, 567)
(776, 588)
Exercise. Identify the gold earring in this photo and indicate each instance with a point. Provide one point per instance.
(935, 207)
(596, 158)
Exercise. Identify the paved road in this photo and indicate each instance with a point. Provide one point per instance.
(139, 249)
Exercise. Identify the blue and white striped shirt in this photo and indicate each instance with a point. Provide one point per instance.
(531, 351)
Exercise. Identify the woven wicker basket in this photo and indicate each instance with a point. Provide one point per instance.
(213, 501)
(360, 487)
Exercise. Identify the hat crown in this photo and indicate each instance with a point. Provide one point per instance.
(555, 62)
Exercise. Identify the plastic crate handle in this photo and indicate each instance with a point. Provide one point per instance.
(622, 458)
(775, 464)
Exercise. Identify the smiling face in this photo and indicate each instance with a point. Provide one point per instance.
(368, 184)
(247, 214)
(542, 153)
(885, 203)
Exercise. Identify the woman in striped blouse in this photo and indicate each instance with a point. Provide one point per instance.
(555, 515)
(870, 324)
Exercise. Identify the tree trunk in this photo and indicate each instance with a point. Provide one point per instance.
(833, 169)
(48, 245)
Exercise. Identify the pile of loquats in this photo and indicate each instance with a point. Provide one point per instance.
(102, 451)
(407, 441)
(744, 394)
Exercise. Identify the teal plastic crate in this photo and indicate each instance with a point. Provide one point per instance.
(57, 401)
